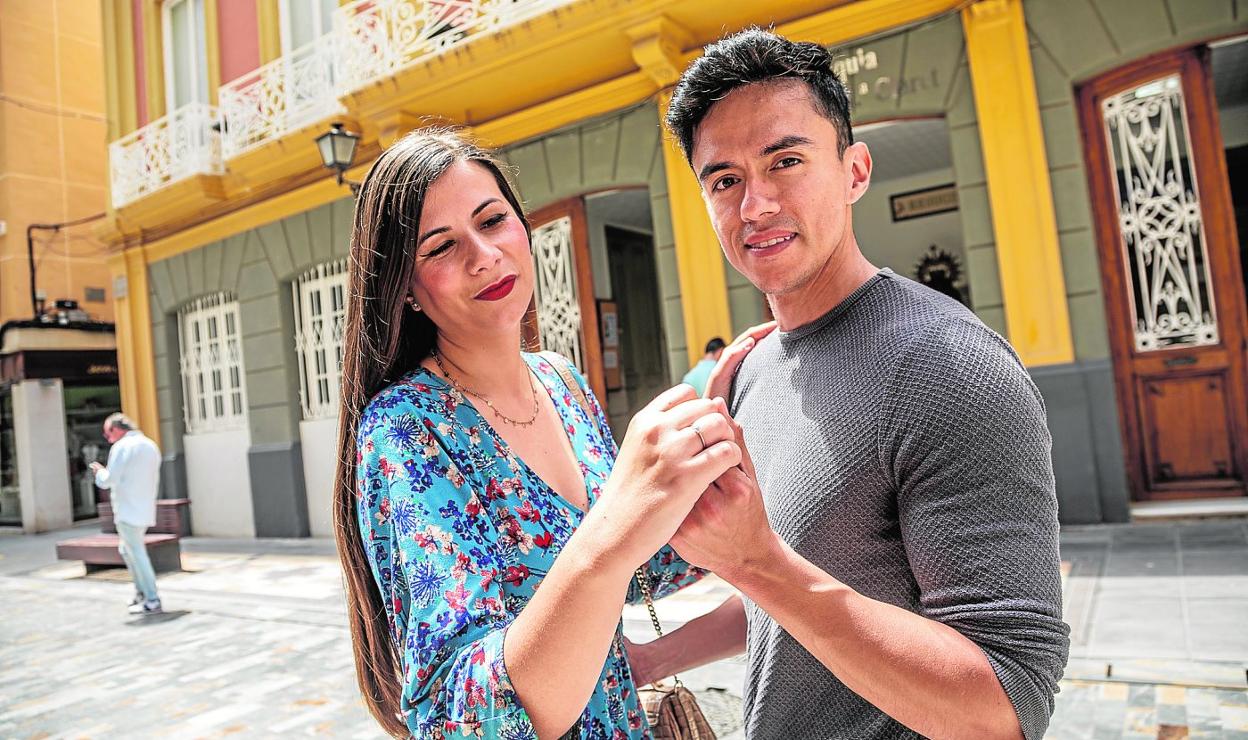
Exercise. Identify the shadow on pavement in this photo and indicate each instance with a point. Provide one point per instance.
(156, 619)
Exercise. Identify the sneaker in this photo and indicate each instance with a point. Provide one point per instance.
(147, 608)
(138, 599)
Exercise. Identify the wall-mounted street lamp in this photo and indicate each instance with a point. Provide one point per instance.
(337, 147)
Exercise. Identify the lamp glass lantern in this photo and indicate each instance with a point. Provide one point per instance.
(337, 148)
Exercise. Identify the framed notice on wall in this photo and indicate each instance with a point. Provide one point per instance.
(925, 202)
(609, 319)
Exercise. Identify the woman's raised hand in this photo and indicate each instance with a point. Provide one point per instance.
(720, 381)
(674, 448)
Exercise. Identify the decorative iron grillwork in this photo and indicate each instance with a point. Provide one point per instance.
(172, 148)
(320, 312)
(295, 90)
(558, 310)
(1159, 217)
(379, 37)
(211, 362)
(371, 39)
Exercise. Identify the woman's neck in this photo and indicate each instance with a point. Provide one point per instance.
(491, 366)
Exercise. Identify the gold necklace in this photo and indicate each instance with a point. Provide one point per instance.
(514, 422)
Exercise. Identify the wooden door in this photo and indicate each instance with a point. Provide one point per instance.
(564, 315)
(635, 285)
(1170, 267)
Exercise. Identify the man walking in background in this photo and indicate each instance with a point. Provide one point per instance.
(133, 475)
(698, 376)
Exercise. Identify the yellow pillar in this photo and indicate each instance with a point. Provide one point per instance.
(268, 26)
(1019, 190)
(657, 49)
(135, 364)
(153, 60)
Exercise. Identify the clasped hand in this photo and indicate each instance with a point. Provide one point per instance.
(728, 528)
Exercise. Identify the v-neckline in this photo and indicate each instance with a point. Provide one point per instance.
(506, 449)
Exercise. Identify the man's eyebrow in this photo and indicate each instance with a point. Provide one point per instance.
(785, 142)
(712, 168)
(443, 229)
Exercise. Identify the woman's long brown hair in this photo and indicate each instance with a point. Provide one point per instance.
(383, 340)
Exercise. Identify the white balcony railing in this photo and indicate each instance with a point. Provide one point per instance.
(372, 39)
(377, 38)
(290, 92)
(177, 146)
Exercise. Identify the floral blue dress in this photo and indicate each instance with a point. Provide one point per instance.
(460, 533)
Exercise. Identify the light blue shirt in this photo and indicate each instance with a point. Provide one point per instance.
(699, 375)
(133, 475)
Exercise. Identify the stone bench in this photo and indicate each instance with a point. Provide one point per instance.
(99, 551)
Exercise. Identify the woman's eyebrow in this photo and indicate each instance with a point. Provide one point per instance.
(443, 229)
(432, 232)
(484, 205)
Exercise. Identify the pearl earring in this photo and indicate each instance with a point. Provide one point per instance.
(412, 302)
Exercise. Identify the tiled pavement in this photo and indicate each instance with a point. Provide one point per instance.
(254, 645)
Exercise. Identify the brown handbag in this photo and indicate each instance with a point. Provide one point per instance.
(671, 709)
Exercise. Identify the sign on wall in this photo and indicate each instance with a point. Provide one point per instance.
(925, 202)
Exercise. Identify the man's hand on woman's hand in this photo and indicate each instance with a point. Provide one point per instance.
(728, 527)
(720, 381)
(674, 448)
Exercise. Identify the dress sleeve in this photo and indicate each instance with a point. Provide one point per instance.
(964, 441)
(666, 572)
(434, 559)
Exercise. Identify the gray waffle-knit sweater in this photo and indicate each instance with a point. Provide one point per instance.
(902, 447)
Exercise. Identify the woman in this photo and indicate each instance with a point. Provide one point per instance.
(469, 475)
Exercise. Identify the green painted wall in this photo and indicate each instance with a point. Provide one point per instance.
(257, 267)
(922, 72)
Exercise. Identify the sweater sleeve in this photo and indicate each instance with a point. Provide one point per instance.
(964, 440)
(438, 569)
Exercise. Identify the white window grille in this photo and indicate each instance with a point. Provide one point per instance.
(1159, 218)
(184, 39)
(213, 396)
(320, 311)
(558, 307)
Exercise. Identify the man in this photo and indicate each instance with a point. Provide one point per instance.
(701, 372)
(897, 547)
(133, 475)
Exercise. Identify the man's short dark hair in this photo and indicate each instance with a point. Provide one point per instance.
(715, 345)
(751, 56)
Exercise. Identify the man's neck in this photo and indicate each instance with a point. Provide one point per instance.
(835, 282)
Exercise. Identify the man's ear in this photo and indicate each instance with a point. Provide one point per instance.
(857, 160)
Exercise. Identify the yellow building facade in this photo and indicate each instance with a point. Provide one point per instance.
(220, 209)
(58, 376)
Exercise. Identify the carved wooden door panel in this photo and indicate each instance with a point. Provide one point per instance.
(564, 315)
(1172, 279)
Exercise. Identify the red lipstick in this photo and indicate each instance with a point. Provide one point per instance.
(498, 290)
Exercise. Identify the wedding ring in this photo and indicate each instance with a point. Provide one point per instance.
(694, 427)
